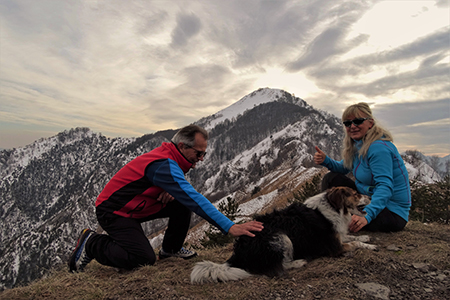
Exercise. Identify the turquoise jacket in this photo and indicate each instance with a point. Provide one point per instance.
(382, 175)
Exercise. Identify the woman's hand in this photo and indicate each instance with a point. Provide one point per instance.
(319, 156)
(357, 223)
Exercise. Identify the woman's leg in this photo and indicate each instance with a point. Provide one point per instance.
(386, 221)
(336, 179)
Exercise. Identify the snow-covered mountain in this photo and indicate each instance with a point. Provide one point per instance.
(260, 149)
(427, 169)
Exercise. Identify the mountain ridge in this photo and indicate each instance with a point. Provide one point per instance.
(48, 188)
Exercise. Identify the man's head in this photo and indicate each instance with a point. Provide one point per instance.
(191, 141)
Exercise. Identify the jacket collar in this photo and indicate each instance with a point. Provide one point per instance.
(181, 160)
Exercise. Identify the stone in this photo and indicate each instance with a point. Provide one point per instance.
(374, 289)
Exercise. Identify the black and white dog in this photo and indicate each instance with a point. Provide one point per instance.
(291, 237)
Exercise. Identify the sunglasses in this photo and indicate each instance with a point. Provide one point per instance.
(356, 122)
(198, 153)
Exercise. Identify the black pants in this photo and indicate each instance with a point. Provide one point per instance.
(126, 245)
(386, 221)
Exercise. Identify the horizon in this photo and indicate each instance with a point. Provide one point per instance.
(229, 113)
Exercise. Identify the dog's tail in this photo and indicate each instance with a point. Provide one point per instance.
(207, 271)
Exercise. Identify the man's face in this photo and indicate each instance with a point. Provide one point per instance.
(195, 153)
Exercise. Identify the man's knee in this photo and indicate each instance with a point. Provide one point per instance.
(142, 260)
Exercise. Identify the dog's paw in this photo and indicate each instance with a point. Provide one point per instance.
(294, 264)
(371, 247)
(363, 238)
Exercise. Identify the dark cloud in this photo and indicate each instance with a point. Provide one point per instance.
(270, 32)
(430, 44)
(332, 40)
(442, 3)
(422, 125)
(432, 60)
(323, 47)
(432, 71)
(188, 25)
(391, 84)
(409, 113)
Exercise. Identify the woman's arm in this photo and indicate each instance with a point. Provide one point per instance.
(381, 166)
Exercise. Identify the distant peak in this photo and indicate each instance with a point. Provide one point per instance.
(250, 101)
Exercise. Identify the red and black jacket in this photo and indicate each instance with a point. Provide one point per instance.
(133, 191)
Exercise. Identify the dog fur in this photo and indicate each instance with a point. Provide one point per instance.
(291, 237)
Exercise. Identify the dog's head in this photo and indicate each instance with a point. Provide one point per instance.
(347, 199)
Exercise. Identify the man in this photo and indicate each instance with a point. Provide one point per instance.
(149, 187)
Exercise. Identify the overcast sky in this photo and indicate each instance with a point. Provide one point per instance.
(128, 68)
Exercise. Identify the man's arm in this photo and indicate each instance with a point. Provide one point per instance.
(167, 175)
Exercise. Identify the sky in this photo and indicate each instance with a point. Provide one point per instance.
(129, 68)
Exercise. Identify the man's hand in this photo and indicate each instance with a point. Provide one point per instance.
(165, 197)
(319, 156)
(245, 228)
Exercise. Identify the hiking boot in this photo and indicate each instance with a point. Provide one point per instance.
(183, 253)
(79, 258)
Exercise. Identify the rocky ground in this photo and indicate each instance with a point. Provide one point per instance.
(412, 264)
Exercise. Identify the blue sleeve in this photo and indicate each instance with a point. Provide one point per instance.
(167, 175)
(381, 166)
(335, 166)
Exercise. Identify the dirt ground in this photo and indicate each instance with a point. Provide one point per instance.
(412, 264)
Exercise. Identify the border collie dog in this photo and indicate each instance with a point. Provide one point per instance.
(291, 237)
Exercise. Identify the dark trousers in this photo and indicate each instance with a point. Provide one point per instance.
(386, 221)
(126, 245)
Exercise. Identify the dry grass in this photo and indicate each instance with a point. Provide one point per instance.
(325, 278)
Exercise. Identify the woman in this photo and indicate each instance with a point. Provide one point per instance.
(378, 169)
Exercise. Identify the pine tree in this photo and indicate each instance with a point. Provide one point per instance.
(310, 189)
(431, 202)
(214, 237)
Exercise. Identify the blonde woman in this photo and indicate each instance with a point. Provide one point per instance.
(378, 169)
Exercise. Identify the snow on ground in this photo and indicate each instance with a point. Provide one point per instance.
(21, 157)
(423, 172)
(256, 205)
(246, 103)
(246, 211)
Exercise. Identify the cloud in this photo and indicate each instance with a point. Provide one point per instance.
(417, 112)
(416, 66)
(436, 42)
(188, 25)
(421, 125)
(132, 67)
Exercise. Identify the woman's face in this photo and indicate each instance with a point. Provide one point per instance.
(357, 132)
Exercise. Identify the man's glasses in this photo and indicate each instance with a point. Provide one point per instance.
(357, 122)
(198, 153)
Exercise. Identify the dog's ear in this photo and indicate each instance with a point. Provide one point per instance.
(336, 198)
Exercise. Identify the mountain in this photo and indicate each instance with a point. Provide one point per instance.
(260, 149)
(427, 169)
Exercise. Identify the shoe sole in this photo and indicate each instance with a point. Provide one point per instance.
(73, 257)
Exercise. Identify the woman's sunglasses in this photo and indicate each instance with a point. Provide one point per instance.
(356, 122)
(198, 153)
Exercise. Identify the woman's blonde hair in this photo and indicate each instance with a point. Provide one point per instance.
(376, 132)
